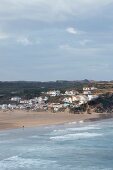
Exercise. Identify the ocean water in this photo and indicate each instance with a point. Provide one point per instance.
(72, 146)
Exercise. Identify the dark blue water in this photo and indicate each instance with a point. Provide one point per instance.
(85, 146)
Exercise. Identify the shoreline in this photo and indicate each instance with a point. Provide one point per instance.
(23, 119)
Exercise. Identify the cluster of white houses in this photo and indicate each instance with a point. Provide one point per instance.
(58, 93)
(70, 97)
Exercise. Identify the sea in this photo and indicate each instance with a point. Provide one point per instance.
(72, 146)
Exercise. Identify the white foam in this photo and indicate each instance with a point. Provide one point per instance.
(81, 121)
(15, 162)
(34, 137)
(3, 134)
(59, 131)
(83, 128)
(71, 123)
(76, 136)
(67, 130)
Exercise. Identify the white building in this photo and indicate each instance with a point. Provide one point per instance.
(15, 99)
(89, 88)
(79, 98)
(83, 99)
(93, 88)
(87, 93)
(39, 99)
(54, 93)
(24, 101)
(10, 106)
(71, 92)
(45, 98)
(56, 106)
(86, 89)
(75, 98)
(67, 100)
(92, 97)
(4, 106)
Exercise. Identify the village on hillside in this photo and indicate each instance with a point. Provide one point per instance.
(54, 101)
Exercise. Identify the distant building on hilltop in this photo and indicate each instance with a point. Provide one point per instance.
(54, 93)
(71, 92)
(89, 88)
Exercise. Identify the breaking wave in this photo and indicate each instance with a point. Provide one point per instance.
(74, 129)
(76, 136)
(19, 162)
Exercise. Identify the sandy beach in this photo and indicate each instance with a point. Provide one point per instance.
(18, 119)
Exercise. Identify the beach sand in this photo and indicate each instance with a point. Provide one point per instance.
(19, 119)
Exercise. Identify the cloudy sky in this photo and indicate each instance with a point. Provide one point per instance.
(45, 40)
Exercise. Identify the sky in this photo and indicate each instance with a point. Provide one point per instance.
(48, 40)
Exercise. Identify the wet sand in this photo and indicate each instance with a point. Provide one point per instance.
(18, 119)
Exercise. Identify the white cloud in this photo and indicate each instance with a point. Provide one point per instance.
(3, 35)
(71, 30)
(24, 41)
(40, 9)
(100, 66)
(84, 51)
(85, 42)
(65, 46)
